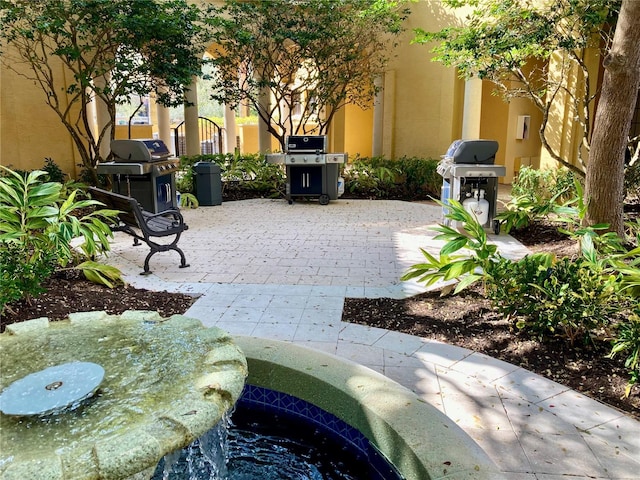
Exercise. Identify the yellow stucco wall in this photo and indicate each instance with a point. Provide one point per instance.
(564, 133)
(499, 121)
(137, 131)
(30, 131)
(423, 109)
(358, 137)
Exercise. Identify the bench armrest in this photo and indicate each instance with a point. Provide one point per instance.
(178, 220)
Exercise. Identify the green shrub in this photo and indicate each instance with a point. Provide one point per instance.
(408, 178)
(22, 271)
(570, 298)
(511, 292)
(523, 210)
(54, 172)
(370, 178)
(421, 181)
(537, 194)
(239, 173)
(544, 184)
(627, 341)
(40, 220)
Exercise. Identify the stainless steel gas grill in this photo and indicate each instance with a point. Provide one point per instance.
(470, 177)
(311, 171)
(144, 170)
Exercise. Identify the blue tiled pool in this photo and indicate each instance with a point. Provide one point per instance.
(263, 408)
(276, 436)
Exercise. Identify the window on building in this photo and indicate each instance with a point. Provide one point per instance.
(139, 107)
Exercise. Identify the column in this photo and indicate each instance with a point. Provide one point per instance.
(230, 129)
(191, 129)
(472, 109)
(264, 137)
(389, 120)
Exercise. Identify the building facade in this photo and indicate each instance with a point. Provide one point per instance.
(422, 107)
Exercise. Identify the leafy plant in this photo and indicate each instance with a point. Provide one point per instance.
(247, 171)
(54, 172)
(627, 341)
(417, 177)
(628, 266)
(188, 200)
(466, 269)
(523, 210)
(570, 299)
(539, 194)
(368, 178)
(38, 221)
(572, 216)
(22, 272)
(511, 292)
(544, 184)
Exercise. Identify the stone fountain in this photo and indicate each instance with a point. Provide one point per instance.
(144, 386)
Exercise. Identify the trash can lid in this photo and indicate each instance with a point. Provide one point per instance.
(206, 167)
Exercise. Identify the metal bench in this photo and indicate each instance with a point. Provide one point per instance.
(142, 225)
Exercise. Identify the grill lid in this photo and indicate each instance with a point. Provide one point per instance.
(150, 150)
(307, 143)
(479, 152)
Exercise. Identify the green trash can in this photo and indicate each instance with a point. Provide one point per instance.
(208, 183)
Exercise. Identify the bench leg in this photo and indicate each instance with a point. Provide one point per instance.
(183, 259)
(146, 270)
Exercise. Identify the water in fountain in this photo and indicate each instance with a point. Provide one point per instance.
(167, 382)
(255, 444)
(260, 451)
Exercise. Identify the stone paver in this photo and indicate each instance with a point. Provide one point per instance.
(266, 268)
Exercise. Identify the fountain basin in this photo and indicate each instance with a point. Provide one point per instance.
(420, 441)
(167, 382)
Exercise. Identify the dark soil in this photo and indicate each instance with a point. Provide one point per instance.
(466, 320)
(68, 291)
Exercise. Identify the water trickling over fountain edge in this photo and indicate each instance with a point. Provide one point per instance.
(211, 390)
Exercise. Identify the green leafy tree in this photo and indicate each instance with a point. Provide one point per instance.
(310, 57)
(110, 50)
(511, 43)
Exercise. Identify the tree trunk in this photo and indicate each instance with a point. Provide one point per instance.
(605, 172)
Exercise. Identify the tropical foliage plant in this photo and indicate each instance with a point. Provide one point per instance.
(42, 230)
(466, 267)
(538, 194)
(406, 178)
(627, 342)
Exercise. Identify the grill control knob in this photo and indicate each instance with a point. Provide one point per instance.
(293, 160)
(305, 159)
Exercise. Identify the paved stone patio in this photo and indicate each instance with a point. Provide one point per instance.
(268, 269)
